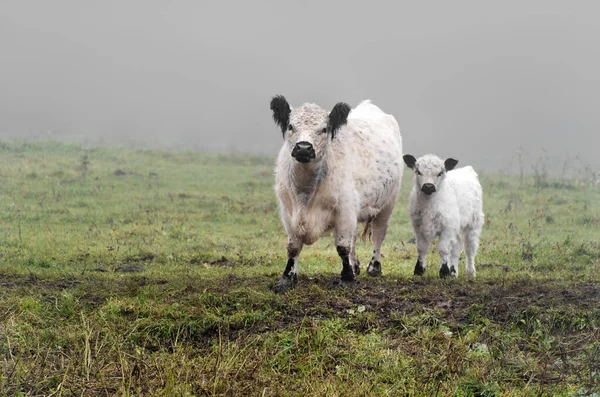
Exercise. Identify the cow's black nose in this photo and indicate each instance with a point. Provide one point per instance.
(303, 152)
(428, 188)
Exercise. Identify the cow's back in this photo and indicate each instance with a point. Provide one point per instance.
(370, 146)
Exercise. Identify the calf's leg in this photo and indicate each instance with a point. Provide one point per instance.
(471, 245)
(445, 249)
(455, 256)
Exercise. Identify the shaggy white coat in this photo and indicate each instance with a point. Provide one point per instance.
(454, 209)
(355, 178)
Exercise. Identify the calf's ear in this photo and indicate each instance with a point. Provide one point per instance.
(338, 117)
(409, 160)
(450, 163)
(281, 112)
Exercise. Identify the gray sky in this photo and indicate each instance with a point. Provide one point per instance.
(471, 79)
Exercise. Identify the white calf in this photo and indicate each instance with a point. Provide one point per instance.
(445, 203)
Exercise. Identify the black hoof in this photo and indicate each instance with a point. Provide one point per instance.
(444, 271)
(374, 269)
(419, 268)
(347, 278)
(452, 271)
(285, 284)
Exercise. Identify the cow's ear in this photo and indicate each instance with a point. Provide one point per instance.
(409, 160)
(450, 163)
(281, 112)
(338, 117)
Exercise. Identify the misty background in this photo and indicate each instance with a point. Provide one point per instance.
(470, 79)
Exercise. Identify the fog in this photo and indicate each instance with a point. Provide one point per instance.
(471, 79)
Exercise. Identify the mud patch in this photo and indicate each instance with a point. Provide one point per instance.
(31, 280)
(457, 302)
(499, 303)
(381, 305)
(7, 285)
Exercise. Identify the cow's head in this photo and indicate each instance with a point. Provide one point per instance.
(307, 128)
(430, 171)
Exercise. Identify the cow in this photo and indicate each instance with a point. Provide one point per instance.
(334, 170)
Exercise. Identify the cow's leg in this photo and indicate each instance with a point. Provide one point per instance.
(345, 235)
(354, 257)
(422, 243)
(379, 225)
(445, 246)
(289, 279)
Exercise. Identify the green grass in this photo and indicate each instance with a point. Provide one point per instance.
(138, 272)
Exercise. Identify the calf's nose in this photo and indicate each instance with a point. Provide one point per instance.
(428, 188)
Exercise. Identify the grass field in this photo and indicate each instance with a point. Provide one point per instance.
(136, 272)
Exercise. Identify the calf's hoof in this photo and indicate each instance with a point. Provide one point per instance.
(471, 272)
(285, 284)
(419, 268)
(445, 271)
(374, 269)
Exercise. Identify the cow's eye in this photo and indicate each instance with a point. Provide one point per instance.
(441, 173)
(290, 127)
(417, 172)
(324, 130)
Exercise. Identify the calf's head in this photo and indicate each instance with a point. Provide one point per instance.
(430, 171)
(308, 128)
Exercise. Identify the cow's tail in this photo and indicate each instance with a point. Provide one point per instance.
(367, 231)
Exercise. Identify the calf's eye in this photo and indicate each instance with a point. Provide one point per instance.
(324, 130)
(417, 172)
(441, 173)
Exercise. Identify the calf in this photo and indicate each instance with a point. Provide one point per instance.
(444, 203)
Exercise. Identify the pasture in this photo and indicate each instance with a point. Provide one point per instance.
(144, 272)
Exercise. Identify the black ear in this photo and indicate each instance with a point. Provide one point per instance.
(338, 117)
(409, 160)
(281, 112)
(450, 163)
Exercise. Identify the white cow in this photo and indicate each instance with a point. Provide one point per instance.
(445, 203)
(333, 171)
